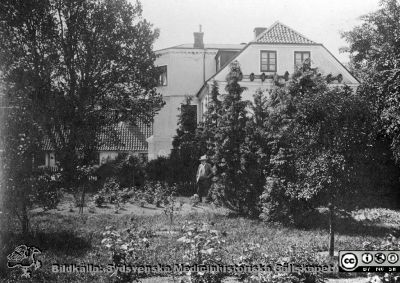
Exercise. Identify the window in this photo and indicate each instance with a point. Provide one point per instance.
(268, 61)
(299, 57)
(162, 79)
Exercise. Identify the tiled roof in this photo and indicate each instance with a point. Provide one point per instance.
(280, 33)
(130, 137)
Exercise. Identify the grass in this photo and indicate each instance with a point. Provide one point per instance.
(72, 238)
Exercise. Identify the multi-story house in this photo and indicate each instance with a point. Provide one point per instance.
(190, 69)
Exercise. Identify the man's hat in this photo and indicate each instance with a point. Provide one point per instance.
(204, 157)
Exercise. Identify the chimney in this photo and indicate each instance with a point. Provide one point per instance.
(258, 30)
(198, 39)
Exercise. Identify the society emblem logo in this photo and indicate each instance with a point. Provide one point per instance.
(25, 258)
(349, 261)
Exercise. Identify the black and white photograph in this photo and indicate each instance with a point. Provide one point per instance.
(200, 141)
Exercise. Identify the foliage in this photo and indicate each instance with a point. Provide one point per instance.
(205, 133)
(171, 208)
(230, 156)
(21, 139)
(183, 160)
(111, 191)
(127, 247)
(129, 170)
(374, 48)
(319, 137)
(99, 200)
(83, 180)
(48, 193)
(83, 67)
(157, 193)
(203, 246)
(158, 170)
(113, 194)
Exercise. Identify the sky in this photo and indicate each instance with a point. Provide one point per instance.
(233, 21)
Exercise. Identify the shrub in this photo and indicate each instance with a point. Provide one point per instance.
(127, 247)
(128, 170)
(99, 200)
(156, 192)
(48, 192)
(203, 246)
(277, 205)
(111, 190)
(158, 169)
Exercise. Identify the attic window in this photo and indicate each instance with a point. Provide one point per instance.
(299, 57)
(162, 79)
(268, 61)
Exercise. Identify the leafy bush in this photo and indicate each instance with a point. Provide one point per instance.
(127, 247)
(48, 191)
(128, 170)
(99, 200)
(111, 190)
(154, 192)
(277, 204)
(158, 170)
(203, 246)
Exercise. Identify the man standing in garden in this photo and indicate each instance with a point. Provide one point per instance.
(203, 178)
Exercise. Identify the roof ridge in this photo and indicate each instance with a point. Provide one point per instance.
(295, 31)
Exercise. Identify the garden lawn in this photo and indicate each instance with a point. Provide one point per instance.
(67, 237)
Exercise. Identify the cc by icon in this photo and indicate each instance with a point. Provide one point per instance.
(349, 261)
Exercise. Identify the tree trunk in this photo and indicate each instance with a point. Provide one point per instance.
(82, 201)
(331, 229)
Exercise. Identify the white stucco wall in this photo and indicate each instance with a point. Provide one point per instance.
(185, 70)
(249, 60)
(184, 78)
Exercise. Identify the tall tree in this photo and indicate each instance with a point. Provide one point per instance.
(374, 48)
(82, 66)
(185, 153)
(206, 131)
(322, 136)
(230, 135)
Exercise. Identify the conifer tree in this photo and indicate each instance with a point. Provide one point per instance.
(230, 136)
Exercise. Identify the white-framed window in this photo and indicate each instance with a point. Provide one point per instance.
(300, 57)
(268, 61)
